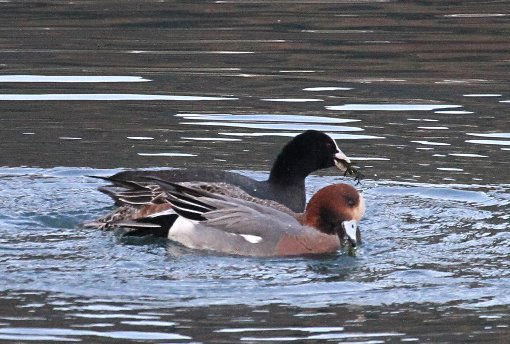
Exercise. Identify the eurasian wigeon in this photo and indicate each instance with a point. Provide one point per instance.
(304, 154)
(199, 219)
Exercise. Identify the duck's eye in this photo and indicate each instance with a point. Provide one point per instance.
(351, 201)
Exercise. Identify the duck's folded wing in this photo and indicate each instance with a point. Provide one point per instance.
(226, 213)
(242, 217)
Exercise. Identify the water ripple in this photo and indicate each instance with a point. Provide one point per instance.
(421, 243)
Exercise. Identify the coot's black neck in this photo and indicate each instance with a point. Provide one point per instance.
(289, 171)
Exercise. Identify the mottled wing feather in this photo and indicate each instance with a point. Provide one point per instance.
(243, 217)
(135, 198)
(237, 193)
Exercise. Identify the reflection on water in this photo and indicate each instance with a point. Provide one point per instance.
(70, 138)
(105, 97)
(290, 126)
(326, 88)
(165, 154)
(70, 78)
(490, 142)
(415, 93)
(434, 128)
(430, 143)
(390, 107)
(453, 112)
(140, 138)
(292, 100)
(497, 135)
(482, 95)
(267, 118)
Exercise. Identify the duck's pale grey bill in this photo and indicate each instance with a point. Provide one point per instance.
(342, 162)
(350, 229)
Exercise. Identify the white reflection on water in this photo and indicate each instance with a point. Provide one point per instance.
(490, 142)
(166, 154)
(107, 96)
(266, 118)
(493, 135)
(434, 128)
(423, 120)
(431, 143)
(343, 31)
(209, 139)
(482, 95)
(278, 126)
(149, 323)
(71, 78)
(291, 123)
(359, 158)
(468, 155)
(320, 89)
(462, 81)
(475, 15)
(189, 52)
(371, 80)
(292, 100)
(69, 138)
(297, 71)
(451, 169)
(453, 112)
(390, 107)
(141, 138)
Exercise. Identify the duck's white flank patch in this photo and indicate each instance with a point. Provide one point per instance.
(182, 230)
(254, 239)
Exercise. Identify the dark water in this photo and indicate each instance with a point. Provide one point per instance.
(417, 93)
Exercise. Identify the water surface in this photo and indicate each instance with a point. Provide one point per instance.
(417, 94)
